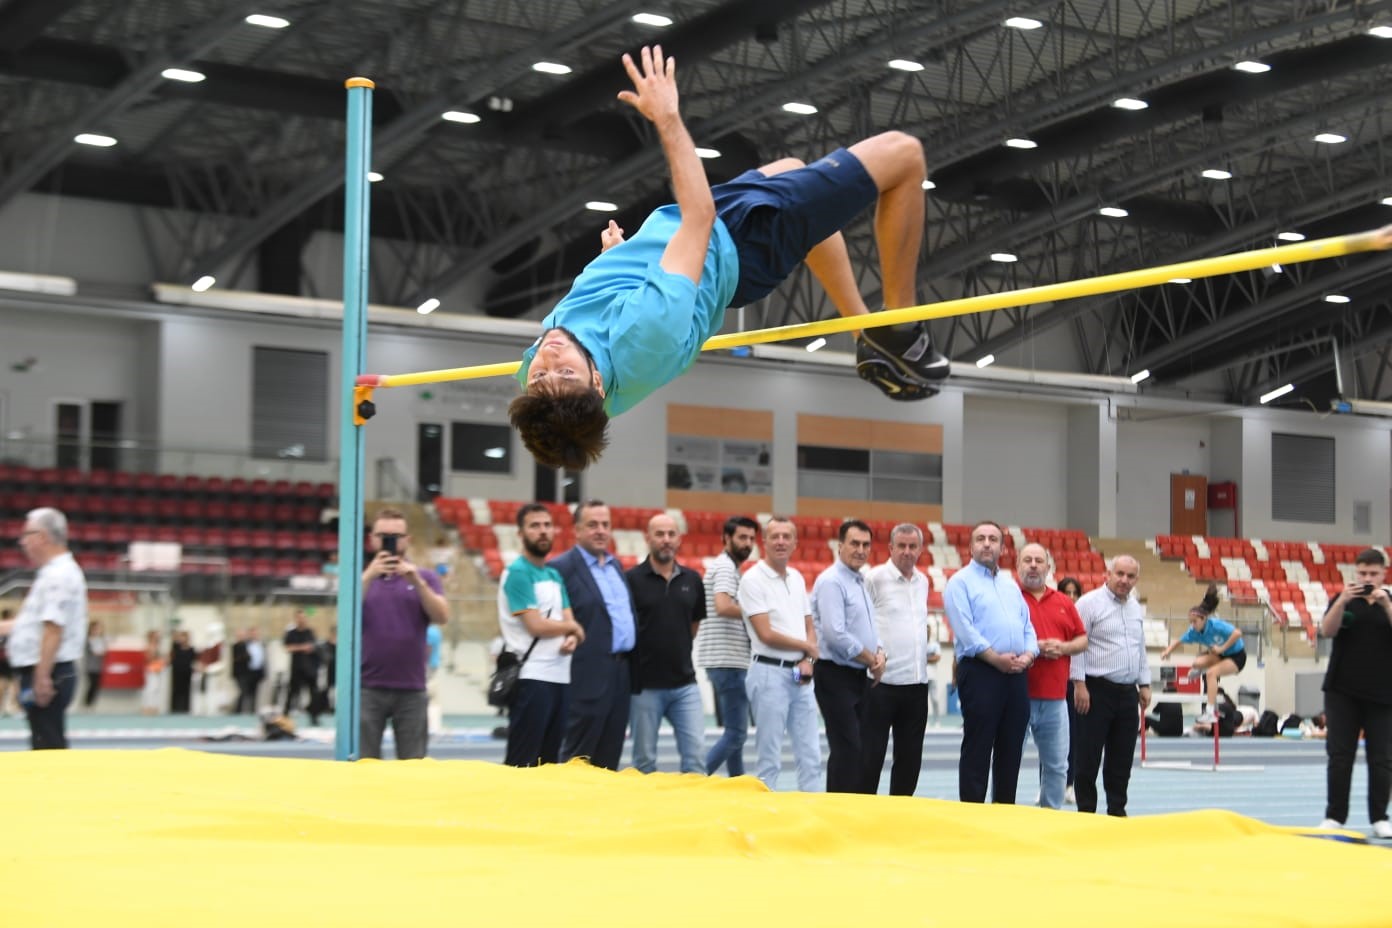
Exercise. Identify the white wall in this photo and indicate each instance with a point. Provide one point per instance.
(1148, 452)
(1016, 460)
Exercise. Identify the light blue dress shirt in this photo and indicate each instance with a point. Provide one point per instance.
(988, 610)
(612, 586)
(644, 326)
(844, 616)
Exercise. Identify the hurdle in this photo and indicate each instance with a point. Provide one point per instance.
(1217, 766)
(1297, 253)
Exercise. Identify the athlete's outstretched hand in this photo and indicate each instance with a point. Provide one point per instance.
(611, 235)
(654, 92)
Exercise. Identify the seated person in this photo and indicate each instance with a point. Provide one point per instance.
(637, 315)
(1314, 727)
(1223, 653)
(1230, 718)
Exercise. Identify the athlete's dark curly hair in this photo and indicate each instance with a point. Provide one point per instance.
(562, 428)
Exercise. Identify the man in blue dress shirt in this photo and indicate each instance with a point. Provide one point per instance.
(845, 619)
(995, 644)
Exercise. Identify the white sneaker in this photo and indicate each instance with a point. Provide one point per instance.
(1070, 797)
(1382, 829)
(1330, 825)
(1207, 717)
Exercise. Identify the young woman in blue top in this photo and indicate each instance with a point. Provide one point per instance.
(1222, 652)
(637, 315)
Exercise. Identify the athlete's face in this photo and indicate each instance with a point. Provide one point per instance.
(560, 364)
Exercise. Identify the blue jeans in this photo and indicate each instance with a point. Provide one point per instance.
(730, 696)
(781, 705)
(682, 706)
(1049, 729)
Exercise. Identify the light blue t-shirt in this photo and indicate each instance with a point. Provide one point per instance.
(642, 325)
(434, 638)
(1215, 632)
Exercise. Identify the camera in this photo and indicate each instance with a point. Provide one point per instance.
(389, 542)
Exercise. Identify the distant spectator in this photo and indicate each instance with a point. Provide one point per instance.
(303, 649)
(181, 658)
(154, 674)
(6, 671)
(248, 668)
(93, 657)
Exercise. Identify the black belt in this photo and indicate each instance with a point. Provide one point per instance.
(620, 655)
(777, 662)
(1091, 681)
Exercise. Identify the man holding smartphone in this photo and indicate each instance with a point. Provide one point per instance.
(399, 603)
(1358, 691)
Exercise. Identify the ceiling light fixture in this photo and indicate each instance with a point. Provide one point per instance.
(652, 19)
(267, 22)
(428, 307)
(373, 177)
(1216, 174)
(1129, 103)
(986, 361)
(1180, 280)
(551, 67)
(1381, 32)
(495, 454)
(904, 64)
(1140, 375)
(1277, 393)
(707, 152)
(817, 344)
(929, 185)
(1331, 138)
(1022, 22)
(1114, 212)
(801, 109)
(1252, 67)
(1022, 143)
(459, 116)
(96, 141)
(183, 74)
(602, 206)
(1004, 257)
(203, 283)
(1336, 298)
(1290, 236)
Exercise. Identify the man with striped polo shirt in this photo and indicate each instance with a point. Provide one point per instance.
(722, 645)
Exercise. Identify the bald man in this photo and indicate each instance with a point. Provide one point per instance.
(669, 603)
(1111, 686)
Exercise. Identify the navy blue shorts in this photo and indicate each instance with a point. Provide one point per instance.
(775, 221)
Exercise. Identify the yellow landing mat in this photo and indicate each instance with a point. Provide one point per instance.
(116, 838)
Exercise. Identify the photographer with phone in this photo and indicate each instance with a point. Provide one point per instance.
(400, 602)
(1358, 691)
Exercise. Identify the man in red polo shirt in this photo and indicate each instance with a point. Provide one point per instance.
(1061, 634)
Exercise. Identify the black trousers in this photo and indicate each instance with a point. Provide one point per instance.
(995, 715)
(536, 722)
(903, 710)
(1346, 716)
(307, 680)
(247, 684)
(1109, 728)
(47, 724)
(840, 694)
(180, 691)
(597, 723)
(93, 688)
(1073, 725)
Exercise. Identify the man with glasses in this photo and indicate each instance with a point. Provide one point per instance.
(47, 637)
(400, 602)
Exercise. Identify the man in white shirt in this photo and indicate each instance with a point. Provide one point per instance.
(47, 637)
(899, 591)
(783, 645)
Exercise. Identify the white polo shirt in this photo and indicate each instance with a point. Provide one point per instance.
(785, 600)
(901, 618)
(59, 596)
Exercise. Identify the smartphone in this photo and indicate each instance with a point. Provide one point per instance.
(1367, 589)
(389, 544)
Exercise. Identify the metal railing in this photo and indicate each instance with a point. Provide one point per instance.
(143, 455)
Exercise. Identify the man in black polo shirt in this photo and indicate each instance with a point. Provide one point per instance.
(1358, 691)
(669, 603)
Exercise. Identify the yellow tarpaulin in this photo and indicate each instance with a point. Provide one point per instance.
(117, 838)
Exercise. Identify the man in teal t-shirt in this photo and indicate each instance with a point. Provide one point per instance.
(538, 628)
(637, 315)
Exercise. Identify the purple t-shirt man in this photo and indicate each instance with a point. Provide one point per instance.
(393, 633)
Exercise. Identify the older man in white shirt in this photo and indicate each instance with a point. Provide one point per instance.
(47, 637)
(899, 591)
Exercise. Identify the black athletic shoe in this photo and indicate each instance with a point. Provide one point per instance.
(901, 361)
